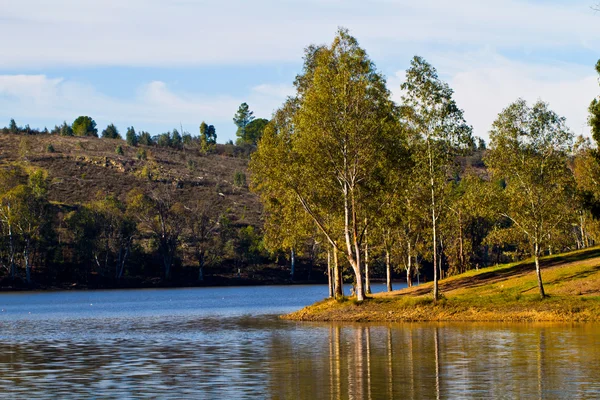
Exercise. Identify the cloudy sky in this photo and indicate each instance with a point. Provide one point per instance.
(159, 64)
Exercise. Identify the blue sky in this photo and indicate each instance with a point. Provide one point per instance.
(159, 64)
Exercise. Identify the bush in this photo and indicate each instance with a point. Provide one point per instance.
(50, 148)
(239, 179)
(141, 154)
(119, 150)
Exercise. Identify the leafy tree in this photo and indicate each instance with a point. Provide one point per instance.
(176, 139)
(159, 214)
(201, 233)
(242, 118)
(12, 127)
(111, 132)
(254, 131)
(62, 130)
(208, 137)
(164, 139)
(131, 137)
(145, 139)
(339, 148)
(439, 131)
(529, 150)
(84, 126)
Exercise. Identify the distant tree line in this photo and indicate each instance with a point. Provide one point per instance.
(149, 234)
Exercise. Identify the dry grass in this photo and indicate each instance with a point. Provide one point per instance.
(83, 167)
(502, 293)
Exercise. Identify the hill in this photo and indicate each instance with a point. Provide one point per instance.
(501, 293)
(82, 170)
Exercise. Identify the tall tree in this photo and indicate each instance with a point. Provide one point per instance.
(342, 148)
(208, 137)
(131, 137)
(84, 126)
(242, 118)
(594, 110)
(440, 132)
(529, 150)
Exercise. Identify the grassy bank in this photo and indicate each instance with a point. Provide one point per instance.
(506, 292)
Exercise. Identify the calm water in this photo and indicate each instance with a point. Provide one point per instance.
(228, 343)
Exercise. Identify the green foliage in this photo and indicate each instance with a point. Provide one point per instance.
(119, 150)
(594, 114)
(12, 127)
(253, 132)
(208, 137)
(239, 179)
(84, 126)
(242, 118)
(62, 130)
(111, 132)
(131, 137)
(176, 139)
(529, 150)
(141, 154)
(145, 139)
(50, 148)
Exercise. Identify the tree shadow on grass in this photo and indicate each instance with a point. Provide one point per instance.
(515, 271)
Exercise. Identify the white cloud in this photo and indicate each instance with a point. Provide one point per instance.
(178, 32)
(39, 98)
(484, 83)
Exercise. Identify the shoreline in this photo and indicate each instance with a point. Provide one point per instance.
(502, 293)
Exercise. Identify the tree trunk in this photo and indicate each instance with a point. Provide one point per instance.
(460, 242)
(409, 267)
(367, 277)
(27, 264)
(329, 280)
(293, 263)
(433, 220)
(539, 272)
(337, 276)
(388, 271)
(201, 266)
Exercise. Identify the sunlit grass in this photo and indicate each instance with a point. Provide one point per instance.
(507, 292)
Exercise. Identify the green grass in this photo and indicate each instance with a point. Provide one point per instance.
(507, 292)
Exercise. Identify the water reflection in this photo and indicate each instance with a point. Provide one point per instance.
(193, 352)
(418, 361)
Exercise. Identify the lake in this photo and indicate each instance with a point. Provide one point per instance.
(227, 343)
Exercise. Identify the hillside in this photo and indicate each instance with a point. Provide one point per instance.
(82, 167)
(85, 170)
(502, 293)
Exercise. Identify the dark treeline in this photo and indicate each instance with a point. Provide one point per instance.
(406, 187)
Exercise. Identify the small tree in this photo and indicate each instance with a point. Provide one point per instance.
(119, 150)
(529, 150)
(85, 126)
(242, 118)
(145, 139)
(12, 127)
(111, 132)
(239, 179)
(131, 136)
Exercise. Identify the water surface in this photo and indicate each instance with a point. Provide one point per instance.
(229, 343)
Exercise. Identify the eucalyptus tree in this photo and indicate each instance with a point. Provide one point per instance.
(529, 151)
(439, 132)
(340, 151)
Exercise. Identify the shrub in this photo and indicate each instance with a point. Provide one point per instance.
(119, 150)
(239, 179)
(50, 148)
